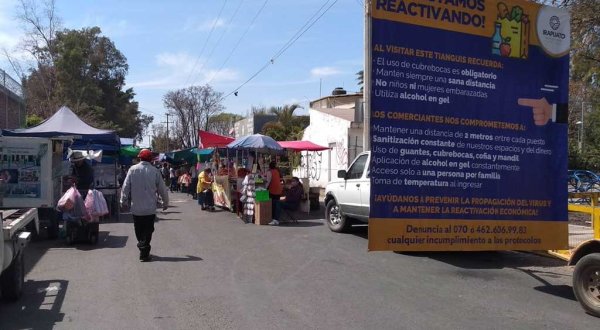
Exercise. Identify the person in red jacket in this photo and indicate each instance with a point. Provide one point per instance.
(275, 190)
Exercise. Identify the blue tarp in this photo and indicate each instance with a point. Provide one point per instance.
(64, 123)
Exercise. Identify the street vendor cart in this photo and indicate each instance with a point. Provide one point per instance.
(32, 169)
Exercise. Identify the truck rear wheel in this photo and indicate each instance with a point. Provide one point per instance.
(11, 281)
(336, 220)
(586, 283)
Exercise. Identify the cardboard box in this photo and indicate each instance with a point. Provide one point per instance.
(262, 213)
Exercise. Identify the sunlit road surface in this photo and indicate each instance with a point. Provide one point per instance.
(212, 271)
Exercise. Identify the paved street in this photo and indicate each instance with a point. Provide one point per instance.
(211, 271)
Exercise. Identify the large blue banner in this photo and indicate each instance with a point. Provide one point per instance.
(468, 125)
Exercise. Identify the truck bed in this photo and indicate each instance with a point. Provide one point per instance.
(15, 220)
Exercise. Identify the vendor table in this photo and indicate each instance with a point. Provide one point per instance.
(224, 190)
(262, 213)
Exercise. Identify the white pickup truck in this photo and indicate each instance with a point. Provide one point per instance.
(13, 240)
(347, 197)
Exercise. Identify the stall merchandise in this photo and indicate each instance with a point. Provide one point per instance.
(65, 123)
(248, 154)
(298, 147)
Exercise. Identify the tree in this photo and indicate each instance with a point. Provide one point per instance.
(33, 120)
(360, 76)
(584, 84)
(259, 110)
(160, 142)
(39, 24)
(89, 77)
(223, 123)
(286, 126)
(192, 108)
(78, 68)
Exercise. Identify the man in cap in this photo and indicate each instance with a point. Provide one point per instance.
(82, 173)
(142, 184)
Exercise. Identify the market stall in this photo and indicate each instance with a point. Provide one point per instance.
(65, 123)
(312, 197)
(252, 153)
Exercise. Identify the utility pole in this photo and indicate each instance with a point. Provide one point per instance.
(367, 79)
(168, 138)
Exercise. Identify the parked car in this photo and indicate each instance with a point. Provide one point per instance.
(347, 198)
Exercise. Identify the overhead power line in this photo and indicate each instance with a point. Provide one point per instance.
(239, 41)
(300, 29)
(287, 45)
(206, 42)
(218, 41)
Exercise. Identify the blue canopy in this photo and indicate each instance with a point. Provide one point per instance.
(63, 123)
(256, 142)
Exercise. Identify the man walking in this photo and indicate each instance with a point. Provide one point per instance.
(141, 186)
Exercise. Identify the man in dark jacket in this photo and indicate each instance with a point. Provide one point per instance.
(82, 173)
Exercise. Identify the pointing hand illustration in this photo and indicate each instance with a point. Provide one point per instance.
(542, 110)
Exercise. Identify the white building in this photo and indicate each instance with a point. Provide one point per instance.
(336, 121)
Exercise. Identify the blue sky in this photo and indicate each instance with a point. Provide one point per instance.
(167, 46)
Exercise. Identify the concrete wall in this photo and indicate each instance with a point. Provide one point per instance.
(251, 125)
(332, 101)
(325, 130)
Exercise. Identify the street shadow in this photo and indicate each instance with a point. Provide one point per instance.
(359, 229)
(176, 259)
(562, 291)
(170, 212)
(489, 259)
(301, 223)
(158, 218)
(471, 261)
(123, 218)
(36, 250)
(105, 241)
(38, 308)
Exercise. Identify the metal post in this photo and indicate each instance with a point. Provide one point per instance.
(5, 98)
(168, 142)
(367, 79)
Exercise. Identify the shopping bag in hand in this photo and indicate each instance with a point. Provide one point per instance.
(79, 210)
(100, 206)
(67, 201)
(95, 204)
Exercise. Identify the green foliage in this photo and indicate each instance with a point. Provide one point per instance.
(33, 120)
(584, 84)
(87, 75)
(286, 127)
(360, 76)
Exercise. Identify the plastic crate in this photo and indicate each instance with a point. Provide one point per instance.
(262, 195)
